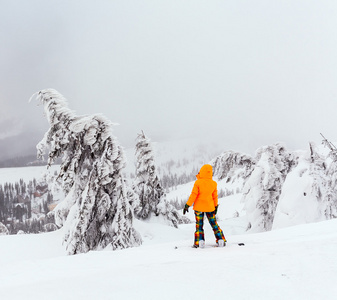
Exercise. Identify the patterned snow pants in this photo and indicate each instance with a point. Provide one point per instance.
(199, 232)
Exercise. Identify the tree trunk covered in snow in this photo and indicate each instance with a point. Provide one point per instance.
(98, 208)
(330, 198)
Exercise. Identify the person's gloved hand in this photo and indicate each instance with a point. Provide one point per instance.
(216, 209)
(186, 209)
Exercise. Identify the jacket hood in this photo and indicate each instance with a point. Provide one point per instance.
(206, 171)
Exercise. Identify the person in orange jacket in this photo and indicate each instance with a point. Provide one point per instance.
(204, 196)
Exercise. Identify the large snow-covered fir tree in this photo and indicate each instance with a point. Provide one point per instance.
(98, 209)
(152, 197)
(263, 188)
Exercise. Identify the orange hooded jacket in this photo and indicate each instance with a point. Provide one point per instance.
(204, 193)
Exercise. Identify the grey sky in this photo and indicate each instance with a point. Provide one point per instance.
(246, 73)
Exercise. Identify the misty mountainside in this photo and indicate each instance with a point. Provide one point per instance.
(177, 161)
(173, 156)
(19, 150)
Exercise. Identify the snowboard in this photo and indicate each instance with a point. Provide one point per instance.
(212, 246)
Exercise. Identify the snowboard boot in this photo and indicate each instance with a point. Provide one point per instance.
(221, 243)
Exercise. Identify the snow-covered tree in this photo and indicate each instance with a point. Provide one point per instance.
(98, 208)
(152, 198)
(303, 191)
(263, 188)
(318, 172)
(330, 197)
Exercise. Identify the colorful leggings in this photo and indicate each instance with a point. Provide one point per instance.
(199, 232)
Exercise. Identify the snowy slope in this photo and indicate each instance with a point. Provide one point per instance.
(26, 173)
(293, 263)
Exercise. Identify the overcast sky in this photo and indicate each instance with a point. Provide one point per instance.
(245, 73)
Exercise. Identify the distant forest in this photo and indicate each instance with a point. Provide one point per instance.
(21, 161)
(24, 207)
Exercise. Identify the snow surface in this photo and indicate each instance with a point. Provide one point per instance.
(291, 263)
